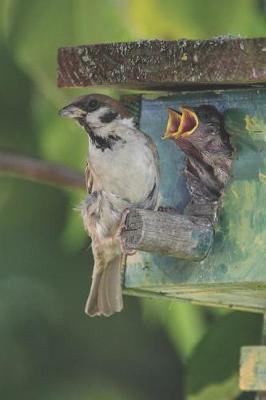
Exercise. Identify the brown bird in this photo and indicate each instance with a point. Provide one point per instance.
(122, 172)
(199, 132)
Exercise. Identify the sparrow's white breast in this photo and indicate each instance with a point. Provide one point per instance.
(128, 169)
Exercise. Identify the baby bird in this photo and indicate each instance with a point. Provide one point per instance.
(122, 172)
(199, 132)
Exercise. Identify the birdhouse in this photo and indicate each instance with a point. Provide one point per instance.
(219, 259)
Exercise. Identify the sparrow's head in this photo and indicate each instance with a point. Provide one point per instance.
(188, 121)
(95, 111)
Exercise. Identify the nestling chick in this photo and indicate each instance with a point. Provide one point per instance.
(122, 172)
(199, 132)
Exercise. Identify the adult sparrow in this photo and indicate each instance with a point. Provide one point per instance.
(199, 132)
(122, 172)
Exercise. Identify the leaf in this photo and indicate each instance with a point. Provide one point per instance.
(184, 323)
(41, 27)
(212, 371)
(6, 13)
(103, 389)
(200, 19)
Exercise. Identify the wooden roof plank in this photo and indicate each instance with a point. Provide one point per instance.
(163, 65)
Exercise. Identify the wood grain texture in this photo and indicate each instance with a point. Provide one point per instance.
(233, 274)
(160, 64)
(180, 236)
(253, 368)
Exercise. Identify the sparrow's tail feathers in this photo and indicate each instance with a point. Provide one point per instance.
(105, 296)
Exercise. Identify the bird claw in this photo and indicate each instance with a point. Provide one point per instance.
(119, 231)
(122, 224)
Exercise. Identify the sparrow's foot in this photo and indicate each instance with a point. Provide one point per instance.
(122, 226)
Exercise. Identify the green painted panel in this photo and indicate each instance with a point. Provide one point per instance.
(236, 265)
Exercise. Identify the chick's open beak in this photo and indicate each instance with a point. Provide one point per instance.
(71, 111)
(173, 123)
(189, 122)
(181, 124)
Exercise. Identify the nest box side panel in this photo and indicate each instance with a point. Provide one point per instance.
(234, 272)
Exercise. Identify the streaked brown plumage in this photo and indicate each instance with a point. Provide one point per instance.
(122, 172)
(199, 132)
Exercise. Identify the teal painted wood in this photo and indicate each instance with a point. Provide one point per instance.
(234, 272)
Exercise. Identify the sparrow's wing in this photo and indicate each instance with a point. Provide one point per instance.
(153, 148)
(152, 200)
(88, 178)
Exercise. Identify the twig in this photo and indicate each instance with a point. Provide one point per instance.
(38, 170)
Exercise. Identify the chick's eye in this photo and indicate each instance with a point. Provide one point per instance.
(93, 105)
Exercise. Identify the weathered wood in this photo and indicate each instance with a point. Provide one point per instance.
(180, 236)
(253, 368)
(160, 64)
(262, 395)
(233, 274)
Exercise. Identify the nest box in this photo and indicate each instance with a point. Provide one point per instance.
(221, 264)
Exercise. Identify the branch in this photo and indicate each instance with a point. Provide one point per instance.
(181, 236)
(39, 170)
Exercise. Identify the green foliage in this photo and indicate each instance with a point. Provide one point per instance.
(38, 28)
(212, 370)
(184, 323)
(171, 19)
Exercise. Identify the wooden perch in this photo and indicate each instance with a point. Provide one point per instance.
(180, 236)
(160, 64)
(38, 170)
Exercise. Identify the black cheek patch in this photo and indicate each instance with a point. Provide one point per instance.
(108, 117)
(104, 143)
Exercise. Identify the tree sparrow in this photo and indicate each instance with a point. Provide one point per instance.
(122, 172)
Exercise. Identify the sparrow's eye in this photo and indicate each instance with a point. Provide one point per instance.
(93, 105)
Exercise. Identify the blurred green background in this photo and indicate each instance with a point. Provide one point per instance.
(49, 349)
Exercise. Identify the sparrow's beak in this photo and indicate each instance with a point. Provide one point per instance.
(71, 111)
(181, 125)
